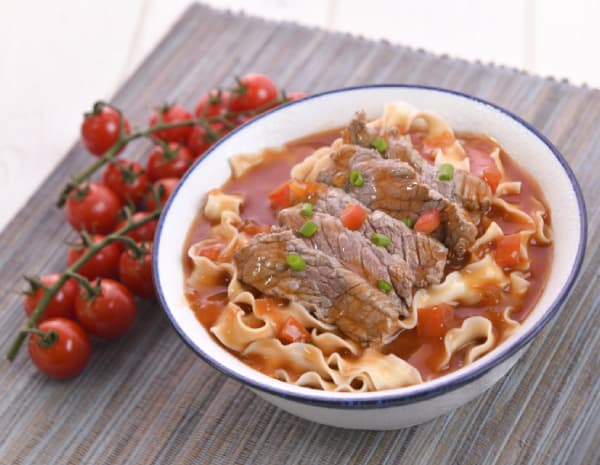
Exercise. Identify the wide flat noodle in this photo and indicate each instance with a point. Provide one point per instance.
(476, 333)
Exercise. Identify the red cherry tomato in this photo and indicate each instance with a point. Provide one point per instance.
(95, 209)
(108, 315)
(254, 91)
(172, 114)
(100, 131)
(136, 273)
(172, 164)
(127, 179)
(168, 186)
(292, 96)
(143, 233)
(213, 103)
(67, 356)
(61, 305)
(200, 139)
(103, 264)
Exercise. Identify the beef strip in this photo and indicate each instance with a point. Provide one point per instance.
(327, 289)
(425, 255)
(355, 251)
(393, 187)
(472, 192)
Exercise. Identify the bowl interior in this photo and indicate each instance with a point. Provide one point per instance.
(334, 109)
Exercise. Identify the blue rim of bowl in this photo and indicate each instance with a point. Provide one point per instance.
(395, 397)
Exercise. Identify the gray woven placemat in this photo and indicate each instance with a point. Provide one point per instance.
(148, 399)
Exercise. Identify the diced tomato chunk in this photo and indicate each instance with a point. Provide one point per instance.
(492, 176)
(353, 216)
(281, 197)
(428, 222)
(292, 331)
(211, 251)
(433, 321)
(508, 250)
(252, 228)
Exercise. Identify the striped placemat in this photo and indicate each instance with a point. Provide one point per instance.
(148, 399)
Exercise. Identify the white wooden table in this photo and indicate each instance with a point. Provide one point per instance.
(57, 57)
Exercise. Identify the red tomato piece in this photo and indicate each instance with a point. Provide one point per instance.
(168, 186)
(171, 164)
(127, 179)
(508, 250)
(492, 176)
(292, 96)
(110, 314)
(292, 331)
(172, 114)
(136, 273)
(61, 305)
(100, 130)
(213, 103)
(95, 209)
(103, 264)
(433, 321)
(254, 92)
(143, 233)
(353, 216)
(428, 221)
(281, 197)
(67, 356)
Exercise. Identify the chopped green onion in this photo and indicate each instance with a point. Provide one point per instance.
(380, 144)
(308, 229)
(384, 285)
(408, 222)
(306, 210)
(295, 262)
(380, 239)
(446, 172)
(356, 178)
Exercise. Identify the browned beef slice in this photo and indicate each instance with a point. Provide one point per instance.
(425, 256)
(334, 293)
(472, 192)
(355, 251)
(392, 187)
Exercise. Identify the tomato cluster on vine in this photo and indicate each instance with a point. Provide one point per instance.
(116, 217)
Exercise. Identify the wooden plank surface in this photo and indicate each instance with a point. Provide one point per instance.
(147, 398)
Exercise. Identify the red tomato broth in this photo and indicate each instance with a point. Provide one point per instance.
(425, 353)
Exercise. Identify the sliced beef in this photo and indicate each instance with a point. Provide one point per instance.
(334, 293)
(355, 251)
(472, 192)
(425, 255)
(393, 187)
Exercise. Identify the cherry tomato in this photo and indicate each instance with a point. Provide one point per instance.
(213, 103)
(172, 114)
(200, 139)
(95, 209)
(168, 186)
(292, 96)
(103, 264)
(136, 273)
(108, 315)
(67, 356)
(143, 233)
(254, 91)
(127, 179)
(172, 164)
(100, 130)
(61, 305)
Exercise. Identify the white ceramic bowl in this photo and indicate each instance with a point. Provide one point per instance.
(394, 408)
